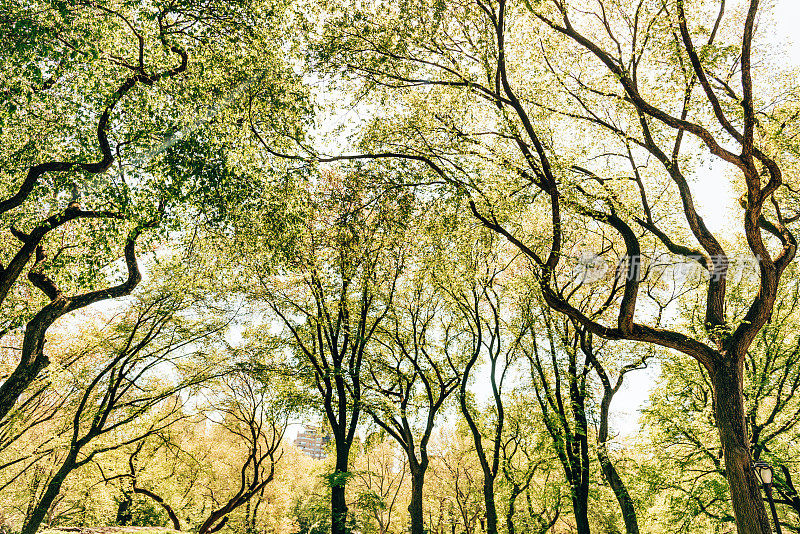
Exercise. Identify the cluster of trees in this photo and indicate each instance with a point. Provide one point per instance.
(378, 215)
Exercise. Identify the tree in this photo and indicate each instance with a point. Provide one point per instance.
(123, 511)
(333, 290)
(120, 385)
(458, 485)
(258, 423)
(680, 422)
(610, 472)
(490, 329)
(93, 114)
(524, 458)
(561, 379)
(414, 372)
(564, 407)
(39, 42)
(629, 121)
(379, 477)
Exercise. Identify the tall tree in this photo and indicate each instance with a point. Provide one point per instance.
(491, 333)
(679, 423)
(414, 373)
(332, 292)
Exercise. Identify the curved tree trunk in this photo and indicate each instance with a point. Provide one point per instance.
(610, 473)
(176, 524)
(729, 412)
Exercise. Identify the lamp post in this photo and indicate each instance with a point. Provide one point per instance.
(765, 474)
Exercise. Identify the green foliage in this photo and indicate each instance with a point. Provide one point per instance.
(146, 513)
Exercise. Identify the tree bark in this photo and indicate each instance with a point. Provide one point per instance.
(415, 506)
(491, 506)
(338, 500)
(620, 490)
(729, 411)
(49, 495)
(124, 510)
(512, 509)
(580, 506)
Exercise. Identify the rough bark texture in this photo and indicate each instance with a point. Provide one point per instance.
(729, 411)
(415, 506)
(338, 502)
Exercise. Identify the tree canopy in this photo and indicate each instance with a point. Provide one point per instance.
(291, 267)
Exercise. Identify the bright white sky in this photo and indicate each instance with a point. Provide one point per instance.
(715, 206)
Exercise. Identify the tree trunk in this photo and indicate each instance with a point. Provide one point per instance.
(491, 507)
(124, 510)
(512, 509)
(176, 524)
(580, 506)
(620, 491)
(748, 505)
(415, 507)
(338, 501)
(19, 380)
(49, 495)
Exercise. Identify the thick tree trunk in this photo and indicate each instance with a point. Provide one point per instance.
(338, 501)
(124, 511)
(491, 507)
(580, 506)
(620, 491)
(415, 506)
(748, 506)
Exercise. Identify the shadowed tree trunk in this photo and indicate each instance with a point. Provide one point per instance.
(413, 398)
(564, 408)
(610, 473)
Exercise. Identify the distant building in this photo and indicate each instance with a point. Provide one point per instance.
(312, 441)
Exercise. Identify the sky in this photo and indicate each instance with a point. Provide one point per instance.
(715, 204)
